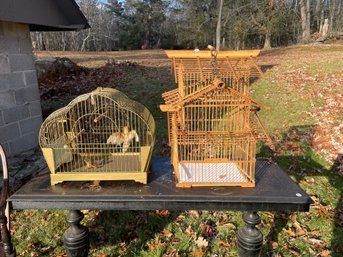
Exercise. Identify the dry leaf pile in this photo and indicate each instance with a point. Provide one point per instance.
(77, 80)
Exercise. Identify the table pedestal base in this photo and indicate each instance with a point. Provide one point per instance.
(250, 239)
(76, 237)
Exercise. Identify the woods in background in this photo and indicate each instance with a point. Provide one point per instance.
(186, 24)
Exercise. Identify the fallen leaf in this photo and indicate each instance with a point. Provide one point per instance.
(198, 252)
(171, 253)
(290, 145)
(167, 233)
(194, 213)
(189, 230)
(162, 212)
(316, 242)
(290, 232)
(208, 230)
(275, 245)
(325, 253)
(229, 225)
(222, 243)
(201, 242)
(156, 244)
(314, 233)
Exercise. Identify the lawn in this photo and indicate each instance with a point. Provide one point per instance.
(303, 85)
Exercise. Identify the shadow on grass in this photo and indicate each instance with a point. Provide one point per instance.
(303, 165)
(129, 230)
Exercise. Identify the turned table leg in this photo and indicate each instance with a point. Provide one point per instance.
(76, 237)
(249, 237)
(6, 237)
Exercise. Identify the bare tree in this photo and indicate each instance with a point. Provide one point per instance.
(220, 9)
(305, 19)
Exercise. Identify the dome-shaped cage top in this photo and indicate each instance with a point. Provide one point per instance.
(91, 119)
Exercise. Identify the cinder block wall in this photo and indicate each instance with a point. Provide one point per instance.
(20, 110)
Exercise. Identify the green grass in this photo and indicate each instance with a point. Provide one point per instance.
(148, 89)
(294, 73)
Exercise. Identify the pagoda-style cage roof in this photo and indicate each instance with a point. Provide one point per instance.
(189, 64)
(174, 101)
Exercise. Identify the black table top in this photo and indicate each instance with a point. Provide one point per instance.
(274, 191)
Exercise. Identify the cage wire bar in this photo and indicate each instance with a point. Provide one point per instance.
(102, 135)
(210, 128)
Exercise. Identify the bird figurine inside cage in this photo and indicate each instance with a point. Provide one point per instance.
(212, 118)
(102, 135)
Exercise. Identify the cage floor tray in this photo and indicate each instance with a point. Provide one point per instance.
(210, 173)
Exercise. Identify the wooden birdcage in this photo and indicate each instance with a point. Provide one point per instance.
(209, 118)
(102, 135)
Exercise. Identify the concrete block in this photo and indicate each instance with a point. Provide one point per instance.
(7, 99)
(1, 119)
(9, 45)
(17, 80)
(26, 95)
(31, 125)
(35, 108)
(4, 81)
(4, 63)
(9, 132)
(25, 45)
(16, 113)
(30, 77)
(21, 62)
(21, 144)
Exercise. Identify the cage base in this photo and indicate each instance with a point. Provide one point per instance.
(141, 177)
(190, 185)
(212, 174)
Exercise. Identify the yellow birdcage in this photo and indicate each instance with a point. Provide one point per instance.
(102, 135)
(209, 118)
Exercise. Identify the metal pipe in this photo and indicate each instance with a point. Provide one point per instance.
(4, 162)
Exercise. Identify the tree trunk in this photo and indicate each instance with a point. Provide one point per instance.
(64, 41)
(308, 17)
(325, 28)
(317, 12)
(267, 41)
(338, 10)
(305, 16)
(322, 20)
(332, 14)
(42, 41)
(84, 41)
(220, 7)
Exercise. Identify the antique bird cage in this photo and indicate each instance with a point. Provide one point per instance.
(102, 135)
(210, 127)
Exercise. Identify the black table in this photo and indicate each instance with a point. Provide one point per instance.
(274, 191)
